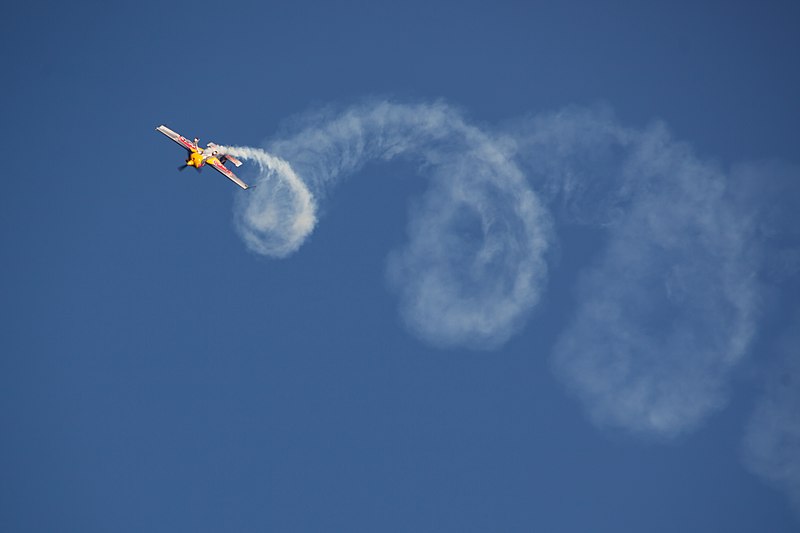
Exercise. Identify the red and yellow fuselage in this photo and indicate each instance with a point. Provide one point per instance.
(198, 159)
(195, 160)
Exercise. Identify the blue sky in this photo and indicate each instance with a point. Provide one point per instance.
(546, 279)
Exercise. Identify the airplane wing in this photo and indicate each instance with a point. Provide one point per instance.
(180, 139)
(219, 167)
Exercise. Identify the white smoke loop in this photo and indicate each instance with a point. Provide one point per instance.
(280, 212)
(474, 264)
(664, 312)
(667, 308)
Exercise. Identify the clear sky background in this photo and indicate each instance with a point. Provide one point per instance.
(158, 375)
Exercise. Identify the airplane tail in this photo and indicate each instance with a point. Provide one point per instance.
(232, 159)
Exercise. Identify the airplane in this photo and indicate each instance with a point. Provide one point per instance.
(210, 155)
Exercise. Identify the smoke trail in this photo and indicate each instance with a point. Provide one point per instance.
(666, 310)
(281, 212)
(771, 445)
(474, 263)
(663, 313)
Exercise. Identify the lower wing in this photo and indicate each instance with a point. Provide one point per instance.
(219, 167)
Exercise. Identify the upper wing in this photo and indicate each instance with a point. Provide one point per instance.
(219, 167)
(180, 139)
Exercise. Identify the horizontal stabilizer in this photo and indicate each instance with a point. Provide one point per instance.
(233, 160)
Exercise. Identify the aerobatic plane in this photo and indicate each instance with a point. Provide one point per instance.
(210, 155)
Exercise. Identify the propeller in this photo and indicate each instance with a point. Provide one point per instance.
(182, 167)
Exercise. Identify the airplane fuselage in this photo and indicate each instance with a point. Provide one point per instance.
(212, 155)
(202, 156)
(196, 160)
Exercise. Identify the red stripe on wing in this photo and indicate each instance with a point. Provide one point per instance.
(184, 141)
